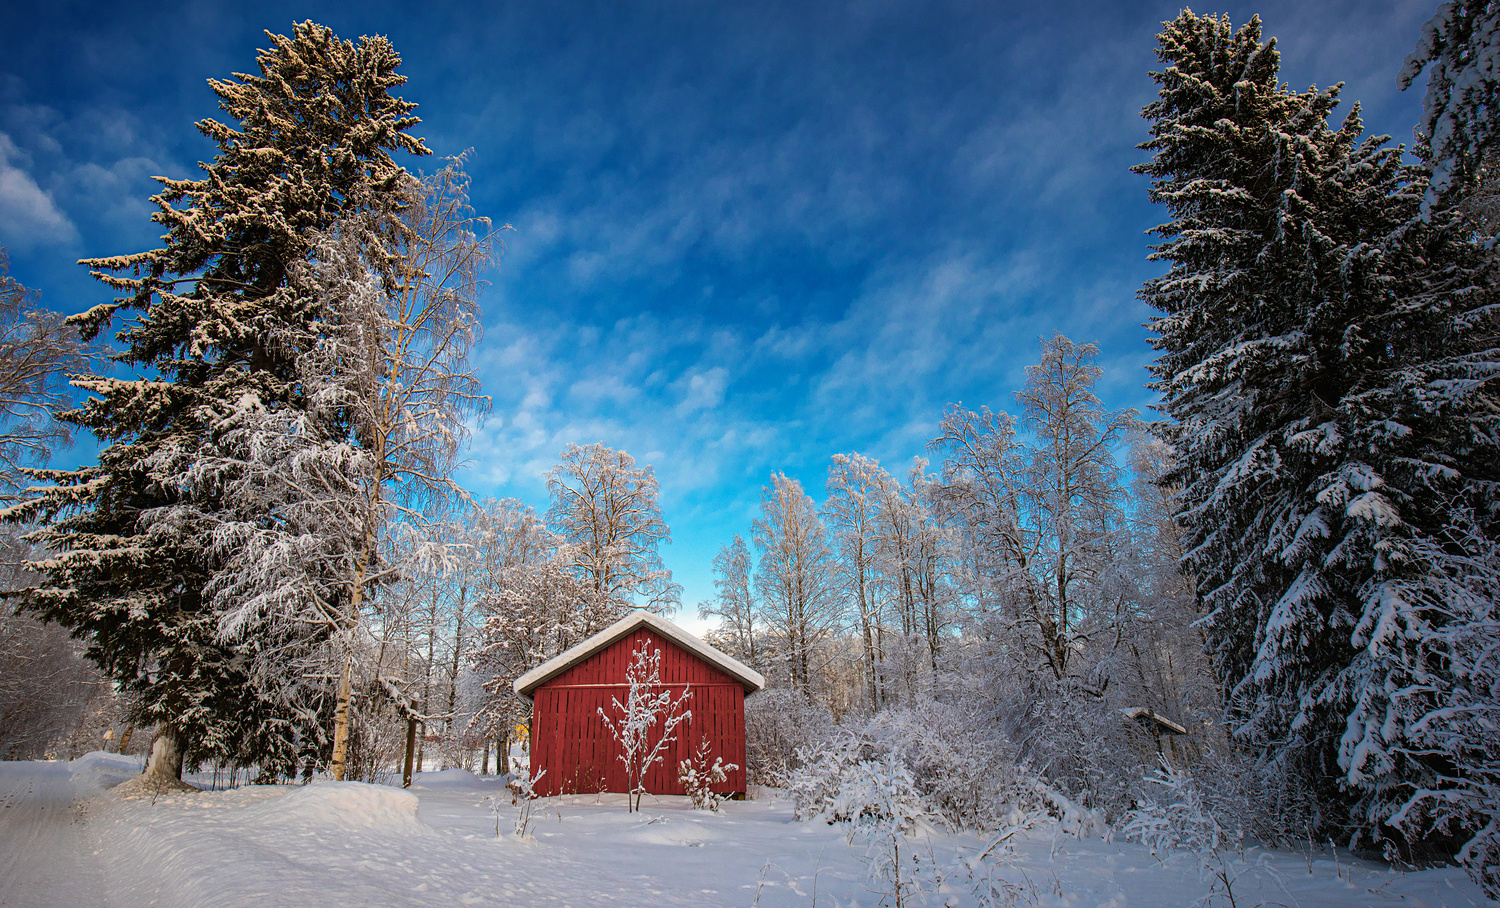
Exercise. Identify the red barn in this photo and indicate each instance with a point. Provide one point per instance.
(569, 739)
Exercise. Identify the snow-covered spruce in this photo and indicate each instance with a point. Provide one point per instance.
(1323, 354)
(220, 314)
(1460, 49)
(308, 493)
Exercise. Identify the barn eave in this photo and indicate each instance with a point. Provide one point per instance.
(748, 678)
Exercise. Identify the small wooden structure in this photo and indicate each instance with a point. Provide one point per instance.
(1163, 732)
(569, 739)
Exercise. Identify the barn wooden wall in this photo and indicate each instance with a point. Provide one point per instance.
(571, 742)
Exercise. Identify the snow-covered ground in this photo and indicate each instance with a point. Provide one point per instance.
(66, 840)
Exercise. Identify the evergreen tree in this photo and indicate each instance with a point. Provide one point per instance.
(221, 314)
(1321, 358)
(1460, 48)
(384, 391)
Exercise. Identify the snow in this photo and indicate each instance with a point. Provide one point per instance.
(65, 839)
(749, 677)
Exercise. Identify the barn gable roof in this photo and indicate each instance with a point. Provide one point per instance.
(751, 679)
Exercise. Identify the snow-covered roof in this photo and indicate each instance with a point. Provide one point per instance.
(747, 676)
(1141, 712)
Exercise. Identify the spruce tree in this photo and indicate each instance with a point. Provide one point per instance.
(1460, 49)
(213, 321)
(1320, 356)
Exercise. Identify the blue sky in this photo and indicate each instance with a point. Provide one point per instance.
(747, 236)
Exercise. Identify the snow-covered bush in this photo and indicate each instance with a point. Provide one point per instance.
(1080, 744)
(966, 773)
(634, 725)
(1225, 785)
(698, 777)
(819, 773)
(961, 771)
(522, 785)
(846, 780)
(1178, 817)
(778, 723)
(880, 799)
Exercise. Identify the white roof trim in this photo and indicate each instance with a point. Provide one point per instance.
(747, 676)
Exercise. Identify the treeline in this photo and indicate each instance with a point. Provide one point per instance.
(1031, 578)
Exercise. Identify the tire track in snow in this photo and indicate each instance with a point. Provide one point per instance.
(46, 853)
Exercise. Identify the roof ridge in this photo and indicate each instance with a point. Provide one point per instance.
(748, 677)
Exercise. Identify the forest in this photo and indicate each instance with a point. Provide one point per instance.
(1268, 611)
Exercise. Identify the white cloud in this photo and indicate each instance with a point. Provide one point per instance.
(701, 390)
(28, 215)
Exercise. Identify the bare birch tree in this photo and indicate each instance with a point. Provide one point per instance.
(735, 603)
(799, 601)
(607, 510)
(38, 352)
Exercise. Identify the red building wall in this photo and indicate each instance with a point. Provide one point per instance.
(571, 742)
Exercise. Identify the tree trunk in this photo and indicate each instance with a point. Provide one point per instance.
(125, 739)
(165, 763)
(341, 722)
(411, 748)
(453, 666)
(866, 631)
(338, 765)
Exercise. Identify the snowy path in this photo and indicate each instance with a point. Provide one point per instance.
(47, 853)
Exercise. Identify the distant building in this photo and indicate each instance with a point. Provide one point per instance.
(569, 739)
(1163, 731)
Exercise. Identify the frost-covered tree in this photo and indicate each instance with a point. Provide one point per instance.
(798, 601)
(215, 318)
(1328, 359)
(532, 612)
(608, 511)
(47, 687)
(1044, 521)
(734, 605)
(1460, 49)
(513, 545)
(39, 352)
(387, 389)
(857, 485)
(1160, 664)
(912, 563)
